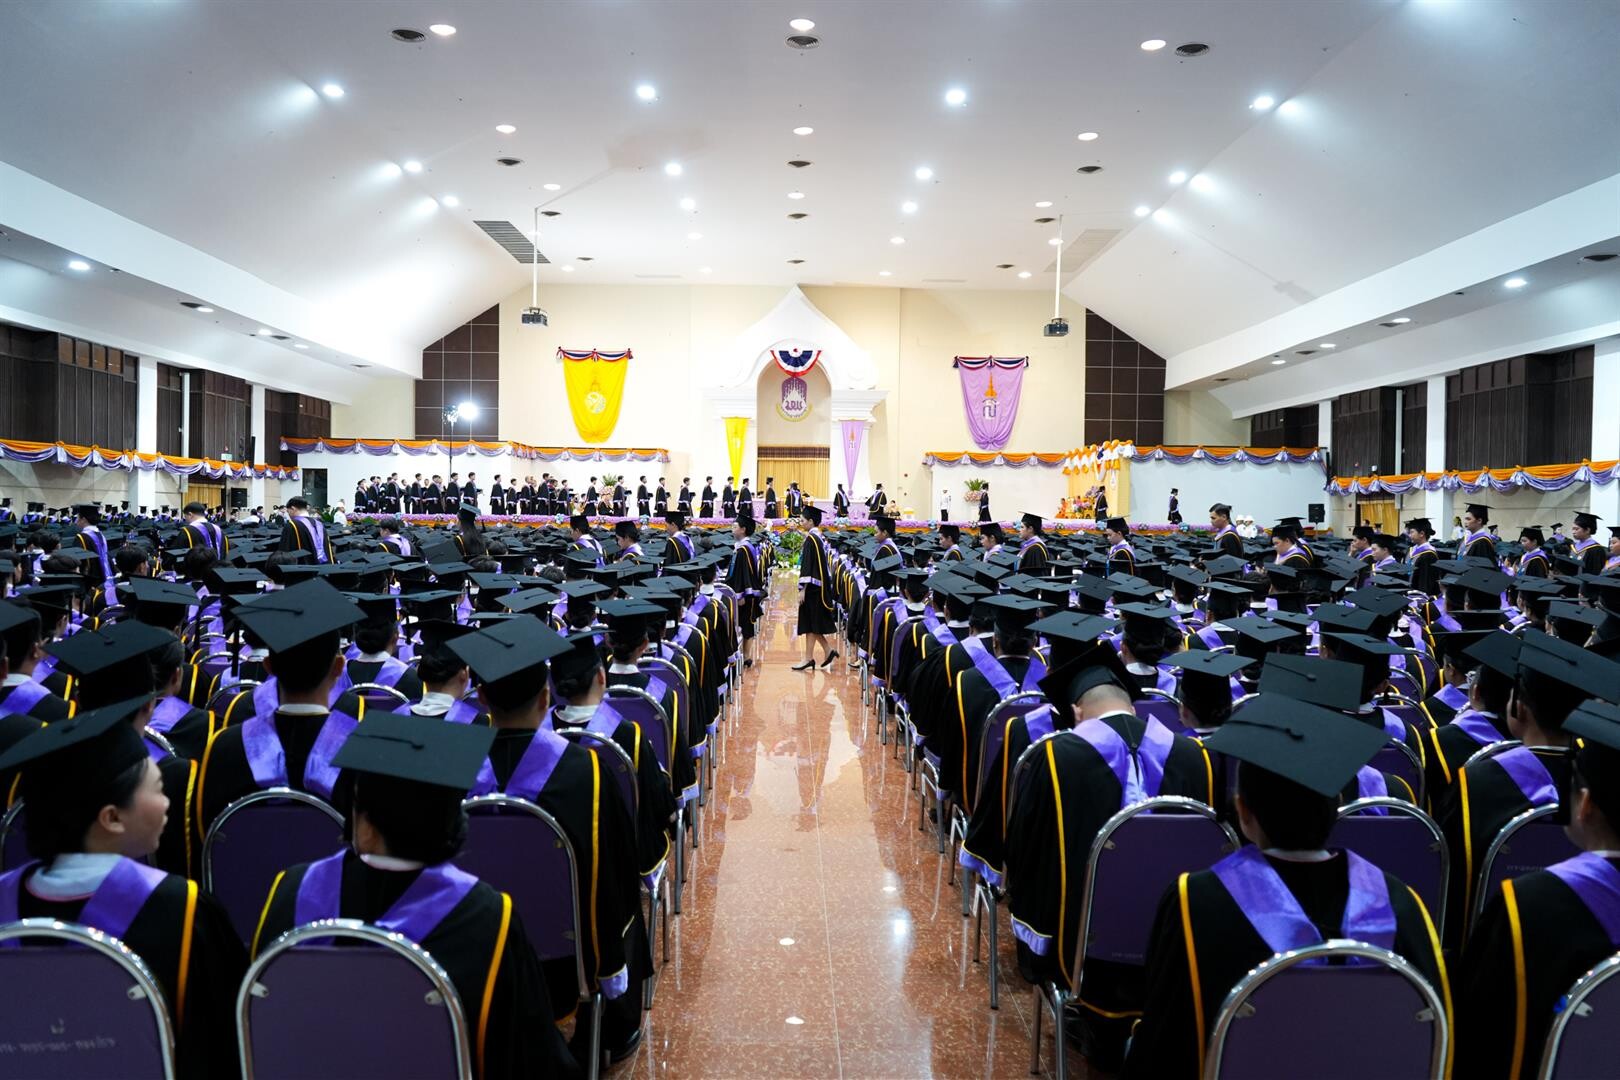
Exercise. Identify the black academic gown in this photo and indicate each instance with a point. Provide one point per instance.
(958, 723)
(706, 502)
(745, 501)
(224, 776)
(661, 501)
(45, 710)
(189, 734)
(1225, 947)
(1538, 927)
(180, 920)
(482, 946)
(742, 575)
(1033, 559)
(409, 682)
(655, 793)
(1449, 747)
(296, 535)
(840, 503)
(817, 612)
(643, 501)
(772, 510)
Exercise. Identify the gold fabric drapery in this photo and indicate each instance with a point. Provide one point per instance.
(807, 465)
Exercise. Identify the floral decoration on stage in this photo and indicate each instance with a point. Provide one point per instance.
(83, 457)
(480, 448)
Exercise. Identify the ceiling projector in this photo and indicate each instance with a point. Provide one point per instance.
(1058, 327)
(535, 316)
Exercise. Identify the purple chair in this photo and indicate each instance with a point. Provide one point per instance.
(1312, 1010)
(1135, 858)
(615, 762)
(14, 838)
(1408, 709)
(1398, 759)
(1165, 708)
(100, 996)
(258, 836)
(1532, 840)
(1576, 1046)
(295, 1013)
(378, 696)
(637, 705)
(543, 883)
(1401, 839)
(222, 697)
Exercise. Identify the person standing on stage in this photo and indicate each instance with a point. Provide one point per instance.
(706, 499)
(1175, 506)
(794, 500)
(945, 504)
(840, 503)
(643, 498)
(1587, 548)
(497, 496)
(984, 502)
(817, 617)
(591, 497)
(745, 498)
(772, 509)
(683, 499)
(876, 502)
(728, 499)
(1100, 508)
(661, 499)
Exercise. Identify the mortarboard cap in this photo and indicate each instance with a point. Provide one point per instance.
(438, 632)
(286, 619)
(1495, 650)
(81, 754)
(1596, 722)
(509, 647)
(812, 514)
(885, 523)
(1339, 617)
(528, 600)
(1119, 525)
(1034, 521)
(1206, 663)
(1452, 646)
(419, 748)
(1013, 614)
(1589, 522)
(1299, 741)
(1573, 668)
(90, 653)
(1224, 509)
(1223, 566)
(1097, 665)
(1480, 510)
(1332, 684)
(159, 602)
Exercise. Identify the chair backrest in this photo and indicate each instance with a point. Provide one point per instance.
(1490, 750)
(1156, 704)
(615, 762)
(258, 836)
(1577, 1047)
(14, 838)
(57, 997)
(1409, 711)
(1398, 759)
(634, 703)
(1137, 855)
(222, 697)
(1532, 840)
(994, 732)
(1315, 1015)
(1021, 769)
(295, 1013)
(1401, 840)
(378, 696)
(902, 631)
(677, 650)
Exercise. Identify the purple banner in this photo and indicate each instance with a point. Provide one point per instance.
(854, 433)
(990, 388)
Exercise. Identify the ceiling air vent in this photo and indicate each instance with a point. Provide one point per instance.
(802, 42)
(799, 163)
(1089, 169)
(513, 239)
(1304, 352)
(408, 36)
(1192, 48)
(1004, 266)
(798, 216)
(1598, 257)
(1045, 220)
(795, 262)
(509, 162)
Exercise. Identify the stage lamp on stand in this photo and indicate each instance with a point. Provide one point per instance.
(466, 412)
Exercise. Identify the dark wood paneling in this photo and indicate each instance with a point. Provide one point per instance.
(1560, 402)
(1486, 416)
(464, 365)
(1364, 432)
(1124, 396)
(1414, 427)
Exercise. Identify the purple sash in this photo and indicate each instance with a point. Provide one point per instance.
(604, 721)
(684, 542)
(416, 914)
(699, 606)
(533, 770)
(23, 696)
(169, 712)
(1529, 775)
(1282, 924)
(98, 544)
(110, 909)
(1476, 726)
(1371, 784)
(1454, 696)
(1140, 774)
(317, 532)
(1595, 880)
(460, 712)
(393, 669)
(1210, 637)
(1393, 725)
(942, 633)
(1039, 723)
(268, 760)
(266, 697)
(997, 676)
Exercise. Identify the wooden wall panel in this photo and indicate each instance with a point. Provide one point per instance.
(1364, 432)
(1124, 395)
(464, 365)
(1414, 427)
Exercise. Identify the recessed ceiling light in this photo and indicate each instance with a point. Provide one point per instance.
(332, 90)
(552, 187)
(78, 264)
(908, 207)
(443, 29)
(1262, 103)
(956, 96)
(1201, 183)
(897, 240)
(1327, 345)
(299, 345)
(262, 332)
(795, 1020)
(694, 236)
(450, 200)
(804, 129)
(1279, 362)
(673, 168)
(1152, 44)
(885, 273)
(1043, 204)
(506, 129)
(392, 171)
(706, 270)
(1402, 321)
(1162, 216)
(413, 166)
(1178, 177)
(924, 173)
(1055, 241)
(795, 195)
(1143, 211)
(1086, 136)
(689, 204)
(568, 269)
(1288, 108)
(1023, 273)
(647, 92)
(1515, 283)
(803, 26)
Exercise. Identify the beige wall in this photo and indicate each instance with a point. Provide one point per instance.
(1195, 418)
(387, 410)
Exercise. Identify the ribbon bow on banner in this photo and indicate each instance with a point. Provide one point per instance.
(795, 361)
(990, 390)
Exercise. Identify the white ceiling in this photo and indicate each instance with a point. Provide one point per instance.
(1417, 122)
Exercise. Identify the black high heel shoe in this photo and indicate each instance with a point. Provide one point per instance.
(827, 663)
(806, 666)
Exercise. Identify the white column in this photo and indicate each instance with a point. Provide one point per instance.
(1605, 498)
(1436, 504)
(185, 424)
(1324, 425)
(256, 429)
(852, 405)
(143, 484)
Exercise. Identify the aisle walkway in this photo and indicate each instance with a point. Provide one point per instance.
(820, 936)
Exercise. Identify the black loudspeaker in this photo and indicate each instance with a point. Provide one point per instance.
(1317, 512)
(252, 451)
(238, 498)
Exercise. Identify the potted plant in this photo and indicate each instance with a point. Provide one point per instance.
(975, 491)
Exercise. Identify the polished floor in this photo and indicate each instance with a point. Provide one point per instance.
(820, 936)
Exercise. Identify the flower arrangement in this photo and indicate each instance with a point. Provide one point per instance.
(974, 492)
(612, 480)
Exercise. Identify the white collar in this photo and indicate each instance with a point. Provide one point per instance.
(575, 714)
(957, 624)
(706, 590)
(257, 654)
(72, 875)
(17, 678)
(373, 657)
(916, 609)
(616, 668)
(1297, 856)
(433, 704)
(302, 709)
(1136, 668)
(389, 862)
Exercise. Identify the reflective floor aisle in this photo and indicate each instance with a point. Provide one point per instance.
(821, 937)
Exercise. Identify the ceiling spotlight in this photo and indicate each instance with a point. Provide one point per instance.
(332, 90)
(1055, 241)
(568, 269)
(450, 200)
(706, 270)
(443, 29)
(1288, 108)
(804, 129)
(1327, 345)
(78, 264)
(956, 96)
(908, 207)
(1043, 204)
(885, 273)
(1262, 103)
(552, 187)
(897, 240)
(673, 168)
(262, 332)
(1402, 321)
(1162, 216)
(803, 26)
(795, 194)
(1023, 273)
(1152, 44)
(413, 166)
(392, 171)
(689, 205)
(1515, 283)
(506, 129)
(924, 173)
(1201, 183)
(299, 345)
(1279, 362)
(694, 236)
(1086, 136)
(1178, 177)
(1143, 211)
(647, 92)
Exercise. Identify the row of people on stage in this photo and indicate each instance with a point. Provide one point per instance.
(163, 671)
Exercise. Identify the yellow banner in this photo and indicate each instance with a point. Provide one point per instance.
(736, 439)
(595, 392)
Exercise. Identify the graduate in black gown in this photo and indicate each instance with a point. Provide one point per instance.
(1294, 760)
(706, 499)
(1546, 929)
(96, 807)
(626, 642)
(772, 507)
(24, 703)
(1032, 554)
(744, 578)
(305, 532)
(1491, 659)
(401, 788)
(817, 612)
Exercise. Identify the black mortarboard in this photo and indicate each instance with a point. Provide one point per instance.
(1070, 630)
(378, 607)
(1146, 620)
(1533, 532)
(885, 523)
(1224, 509)
(958, 587)
(437, 632)
(629, 617)
(1574, 668)
(1478, 620)
(90, 653)
(1495, 650)
(1596, 722)
(424, 749)
(1096, 666)
(1118, 524)
(14, 615)
(1357, 647)
(286, 619)
(1206, 663)
(1480, 510)
(1589, 522)
(1484, 582)
(1034, 521)
(159, 602)
(812, 514)
(1453, 647)
(1223, 566)
(580, 522)
(226, 580)
(1333, 684)
(583, 590)
(1341, 617)
(1422, 525)
(1012, 614)
(83, 753)
(1258, 636)
(509, 647)
(1311, 746)
(528, 600)
(1378, 601)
